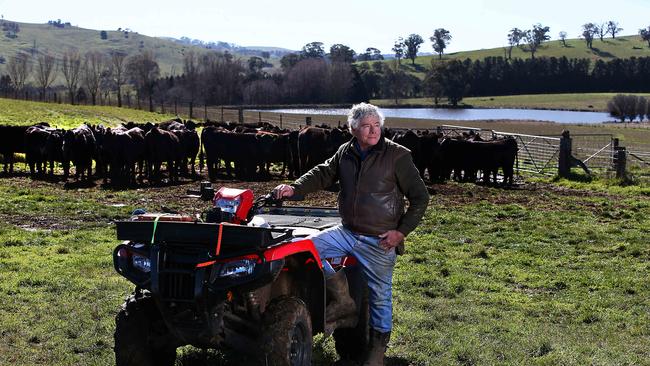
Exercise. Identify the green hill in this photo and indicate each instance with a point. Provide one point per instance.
(608, 49)
(35, 38)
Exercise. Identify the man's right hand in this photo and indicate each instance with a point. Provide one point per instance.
(283, 190)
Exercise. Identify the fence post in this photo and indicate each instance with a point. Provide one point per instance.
(280, 121)
(620, 161)
(259, 116)
(241, 115)
(221, 113)
(564, 159)
(308, 121)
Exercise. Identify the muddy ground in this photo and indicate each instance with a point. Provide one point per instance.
(542, 196)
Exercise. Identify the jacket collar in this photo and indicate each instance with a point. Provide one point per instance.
(379, 146)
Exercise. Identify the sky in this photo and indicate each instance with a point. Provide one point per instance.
(359, 24)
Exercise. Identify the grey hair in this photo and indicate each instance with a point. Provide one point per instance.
(362, 110)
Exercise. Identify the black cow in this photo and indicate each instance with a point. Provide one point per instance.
(162, 146)
(79, 148)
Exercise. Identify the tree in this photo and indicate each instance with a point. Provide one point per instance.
(191, 78)
(534, 38)
(395, 82)
(144, 71)
(117, 72)
(19, 67)
(432, 82)
(454, 79)
(562, 35)
(45, 72)
(288, 61)
(71, 69)
(103, 35)
(645, 34)
(515, 37)
(601, 30)
(93, 69)
(441, 38)
(613, 28)
(399, 50)
(371, 54)
(412, 44)
(589, 30)
(313, 50)
(342, 53)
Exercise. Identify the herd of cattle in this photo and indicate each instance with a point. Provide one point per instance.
(131, 153)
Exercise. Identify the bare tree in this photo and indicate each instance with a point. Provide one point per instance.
(601, 30)
(440, 39)
(514, 38)
(94, 63)
(45, 72)
(144, 72)
(71, 69)
(117, 71)
(645, 34)
(399, 50)
(613, 28)
(534, 38)
(562, 35)
(19, 67)
(589, 30)
(191, 77)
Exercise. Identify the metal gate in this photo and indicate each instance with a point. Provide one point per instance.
(540, 154)
(536, 154)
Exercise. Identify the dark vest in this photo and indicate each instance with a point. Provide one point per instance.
(370, 201)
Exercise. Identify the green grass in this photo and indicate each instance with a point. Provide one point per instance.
(552, 273)
(19, 112)
(548, 274)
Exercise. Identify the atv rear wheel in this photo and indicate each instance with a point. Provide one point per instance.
(351, 343)
(287, 333)
(141, 337)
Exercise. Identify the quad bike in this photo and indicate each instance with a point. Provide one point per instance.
(244, 277)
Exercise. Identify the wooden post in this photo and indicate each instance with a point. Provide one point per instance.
(564, 159)
(620, 162)
(259, 115)
(221, 113)
(241, 115)
(308, 121)
(280, 121)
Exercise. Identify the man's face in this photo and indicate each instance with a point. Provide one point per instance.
(368, 132)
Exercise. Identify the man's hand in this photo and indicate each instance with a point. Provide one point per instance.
(283, 190)
(391, 239)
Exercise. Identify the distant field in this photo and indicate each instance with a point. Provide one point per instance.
(19, 112)
(608, 49)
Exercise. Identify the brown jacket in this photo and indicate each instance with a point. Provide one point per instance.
(371, 199)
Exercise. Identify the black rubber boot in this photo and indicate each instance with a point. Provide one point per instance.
(376, 348)
(341, 311)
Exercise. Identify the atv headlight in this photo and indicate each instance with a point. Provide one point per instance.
(238, 268)
(141, 263)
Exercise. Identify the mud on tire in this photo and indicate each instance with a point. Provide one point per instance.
(287, 339)
(351, 343)
(141, 337)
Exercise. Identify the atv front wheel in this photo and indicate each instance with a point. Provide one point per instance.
(287, 333)
(141, 337)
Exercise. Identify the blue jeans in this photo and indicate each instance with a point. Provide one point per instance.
(377, 265)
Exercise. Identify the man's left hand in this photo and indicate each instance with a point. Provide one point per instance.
(391, 239)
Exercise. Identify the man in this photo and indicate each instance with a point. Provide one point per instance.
(374, 174)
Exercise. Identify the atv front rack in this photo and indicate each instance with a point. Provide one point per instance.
(226, 239)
